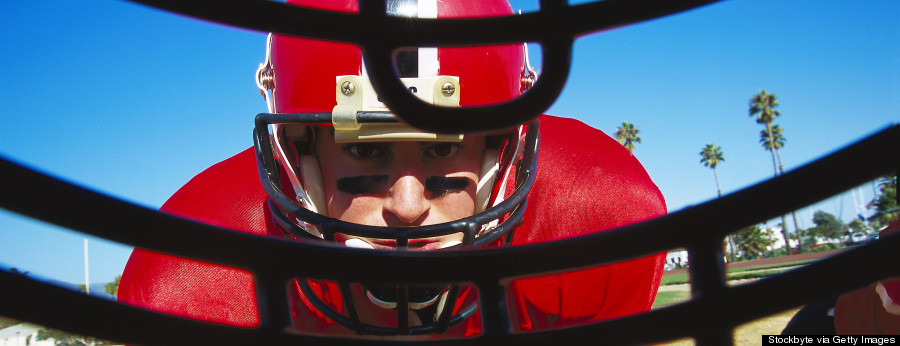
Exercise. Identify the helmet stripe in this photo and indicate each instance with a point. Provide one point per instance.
(428, 56)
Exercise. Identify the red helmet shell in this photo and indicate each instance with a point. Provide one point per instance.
(305, 69)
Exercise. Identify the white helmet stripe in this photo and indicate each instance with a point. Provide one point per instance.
(423, 62)
(428, 56)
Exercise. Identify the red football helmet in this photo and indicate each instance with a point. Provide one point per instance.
(311, 84)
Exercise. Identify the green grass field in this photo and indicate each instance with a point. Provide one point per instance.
(752, 272)
(745, 334)
(771, 266)
(667, 298)
(750, 333)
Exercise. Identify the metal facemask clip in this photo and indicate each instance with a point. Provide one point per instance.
(355, 96)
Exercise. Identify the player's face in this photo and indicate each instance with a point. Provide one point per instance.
(400, 184)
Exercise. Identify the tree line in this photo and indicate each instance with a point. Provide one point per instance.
(755, 241)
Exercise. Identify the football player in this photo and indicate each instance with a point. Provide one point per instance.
(332, 164)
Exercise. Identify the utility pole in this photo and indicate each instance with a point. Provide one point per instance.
(87, 279)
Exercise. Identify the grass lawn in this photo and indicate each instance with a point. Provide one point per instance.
(745, 334)
(667, 298)
(751, 272)
(771, 266)
(751, 332)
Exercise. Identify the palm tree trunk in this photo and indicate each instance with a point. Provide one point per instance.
(793, 213)
(784, 231)
(797, 232)
(772, 147)
(716, 174)
(780, 166)
(730, 237)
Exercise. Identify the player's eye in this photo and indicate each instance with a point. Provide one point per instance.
(364, 151)
(442, 150)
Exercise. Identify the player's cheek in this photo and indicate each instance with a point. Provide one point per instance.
(366, 210)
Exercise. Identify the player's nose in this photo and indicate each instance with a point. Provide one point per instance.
(406, 202)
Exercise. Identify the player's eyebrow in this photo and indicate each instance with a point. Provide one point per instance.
(362, 185)
(428, 144)
(440, 186)
(372, 184)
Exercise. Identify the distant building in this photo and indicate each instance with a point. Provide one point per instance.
(778, 238)
(676, 259)
(23, 334)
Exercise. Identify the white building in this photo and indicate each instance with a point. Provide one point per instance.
(676, 259)
(23, 334)
(778, 238)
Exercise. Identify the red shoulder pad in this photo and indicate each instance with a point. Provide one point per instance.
(586, 182)
(229, 195)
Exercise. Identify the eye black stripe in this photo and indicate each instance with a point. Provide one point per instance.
(440, 186)
(362, 185)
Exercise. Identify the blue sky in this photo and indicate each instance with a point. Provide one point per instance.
(133, 102)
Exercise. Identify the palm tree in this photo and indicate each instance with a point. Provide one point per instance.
(627, 135)
(762, 107)
(773, 143)
(752, 241)
(777, 141)
(885, 201)
(711, 156)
